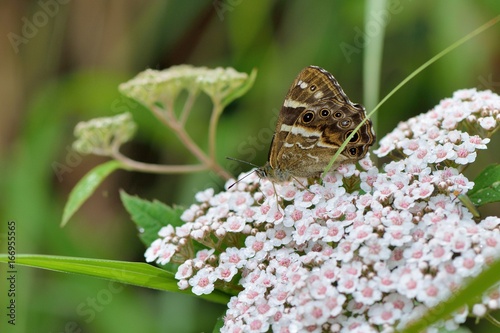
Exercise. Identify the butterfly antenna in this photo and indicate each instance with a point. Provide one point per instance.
(239, 180)
(241, 161)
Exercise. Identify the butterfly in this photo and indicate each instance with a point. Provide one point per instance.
(314, 121)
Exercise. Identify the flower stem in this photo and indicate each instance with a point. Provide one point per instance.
(188, 105)
(155, 168)
(212, 129)
(168, 118)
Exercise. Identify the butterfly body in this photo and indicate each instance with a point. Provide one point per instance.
(315, 119)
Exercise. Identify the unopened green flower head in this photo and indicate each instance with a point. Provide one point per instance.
(220, 82)
(101, 135)
(152, 86)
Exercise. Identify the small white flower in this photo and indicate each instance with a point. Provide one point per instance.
(368, 178)
(153, 251)
(167, 231)
(226, 272)
(488, 123)
(288, 192)
(384, 189)
(410, 283)
(454, 136)
(386, 146)
(468, 264)
(438, 253)
(465, 153)
(479, 310)
(375, 250)
(203, 255)
(314, 312)
(385, 313)
(367, 292)
(205, 195)
(464, 94)
(402, 201)
(184, 230)
(490, 222)
(203, 282)
(183, 284)
(432, 292)
(294, 214)
(302, 231)
(258, 245)
(397, 235)
(346, 170)
(234, 224)
(240, 201)
(166, 253)
(185, 270)
(334, 231)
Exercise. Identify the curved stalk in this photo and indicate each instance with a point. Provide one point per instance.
(210, 163)
(156, 168)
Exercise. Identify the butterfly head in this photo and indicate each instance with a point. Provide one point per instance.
(276, 175)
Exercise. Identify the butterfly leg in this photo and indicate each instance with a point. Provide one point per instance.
(304, 187)
(278, 205)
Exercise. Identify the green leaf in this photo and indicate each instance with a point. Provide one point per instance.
(150, 217)
(487, 186)
(241, 90)
(85, 187)
(468, 295)
(133, 273)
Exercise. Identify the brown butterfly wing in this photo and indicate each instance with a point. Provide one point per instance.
(314, 121)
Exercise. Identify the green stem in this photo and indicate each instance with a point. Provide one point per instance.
(212, 129)
(169, 120)
(492, 320)
(188, 106)
(156, 168)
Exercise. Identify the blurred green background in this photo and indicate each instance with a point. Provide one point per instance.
(61, 63)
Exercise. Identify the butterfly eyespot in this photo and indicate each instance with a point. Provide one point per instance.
(353, 151)
(345, 123)
(338, 114)
(312, 87)
(325, 113)
(354, 138)
(308, 117)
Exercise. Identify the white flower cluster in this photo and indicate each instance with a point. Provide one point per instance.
(342, 258)
(444, 131)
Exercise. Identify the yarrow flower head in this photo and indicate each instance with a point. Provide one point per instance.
(368, 250)
(101, 135)
(153, 86)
